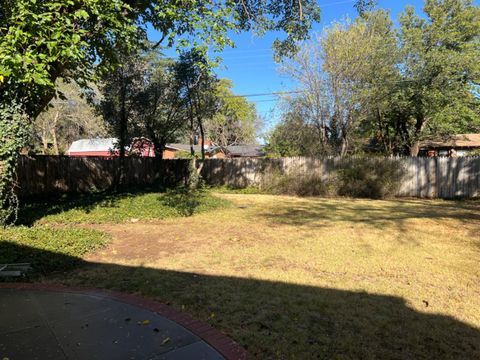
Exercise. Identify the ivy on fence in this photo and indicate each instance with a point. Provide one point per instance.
(14, 132)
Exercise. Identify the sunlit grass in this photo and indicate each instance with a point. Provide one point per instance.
(304, 278)
(116, 208)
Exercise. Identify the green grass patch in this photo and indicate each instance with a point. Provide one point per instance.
(249, 190)
(48, 249)
(116, 208)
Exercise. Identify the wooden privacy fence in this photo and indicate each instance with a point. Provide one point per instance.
(61, 174)
(418, 177)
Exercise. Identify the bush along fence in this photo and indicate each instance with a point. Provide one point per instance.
(350, 176)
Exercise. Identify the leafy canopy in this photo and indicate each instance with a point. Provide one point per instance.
(235, 120)
(44, 40)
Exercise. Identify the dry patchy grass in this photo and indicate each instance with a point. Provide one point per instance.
(306, 278)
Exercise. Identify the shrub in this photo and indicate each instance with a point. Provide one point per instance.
(295, 182)
(369, 178)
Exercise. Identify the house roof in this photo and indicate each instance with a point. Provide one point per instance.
(460, 140)
(88, 145)
(196, 148)
(246, 150)
(237, 150)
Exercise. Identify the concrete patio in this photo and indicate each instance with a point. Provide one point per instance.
(56, 324)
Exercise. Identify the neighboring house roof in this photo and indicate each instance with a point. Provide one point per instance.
(235, 151)
(245, 150)
(196, 148)
(93, 145)
(460, 140)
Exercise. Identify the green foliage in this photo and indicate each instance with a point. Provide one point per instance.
(196, 90)
(44, 40)
(48, 249)
(365, 6)
(437, 70)
(116, 208)
(439, 67)
(364, 78)
(235, 120)
(369, 178)
(296, 182)
(14, 132)
(475, 152)
(358, 177)
(294, 136)
(335, 73)
(228, 189)
(187, 202)
(120, 105)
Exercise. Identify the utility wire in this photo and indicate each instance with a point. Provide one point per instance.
(267, 94)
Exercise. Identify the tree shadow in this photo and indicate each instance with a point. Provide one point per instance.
(184, 201)
(381, 212)
(278, 320)
(38, 207)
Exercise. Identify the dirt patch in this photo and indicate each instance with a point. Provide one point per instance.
(143, 241)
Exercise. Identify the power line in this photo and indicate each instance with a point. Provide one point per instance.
(337, 3)
(261, 101)
(270, 93)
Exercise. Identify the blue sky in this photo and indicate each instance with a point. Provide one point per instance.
(251, 67)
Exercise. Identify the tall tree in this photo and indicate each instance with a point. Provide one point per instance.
(162, 116)
(336, 72)
(440, 69)
(120, 89)
(66, 120)
(294, 135)
(197, 86)
(398, 87)
(44, 40)
(236, 119)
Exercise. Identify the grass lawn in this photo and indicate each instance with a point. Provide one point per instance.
(49, 240)
(115, 208)
(293, 278)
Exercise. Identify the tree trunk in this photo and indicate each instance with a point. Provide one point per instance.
(202, 134)
(54, 134)
(122, 132)
(414, 148)
(192, 137)
(343, 146)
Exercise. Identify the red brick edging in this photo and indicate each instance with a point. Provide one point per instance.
(219, 341)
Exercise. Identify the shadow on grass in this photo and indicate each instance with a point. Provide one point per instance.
(377, 213)
(182, 200)
(277, 320)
